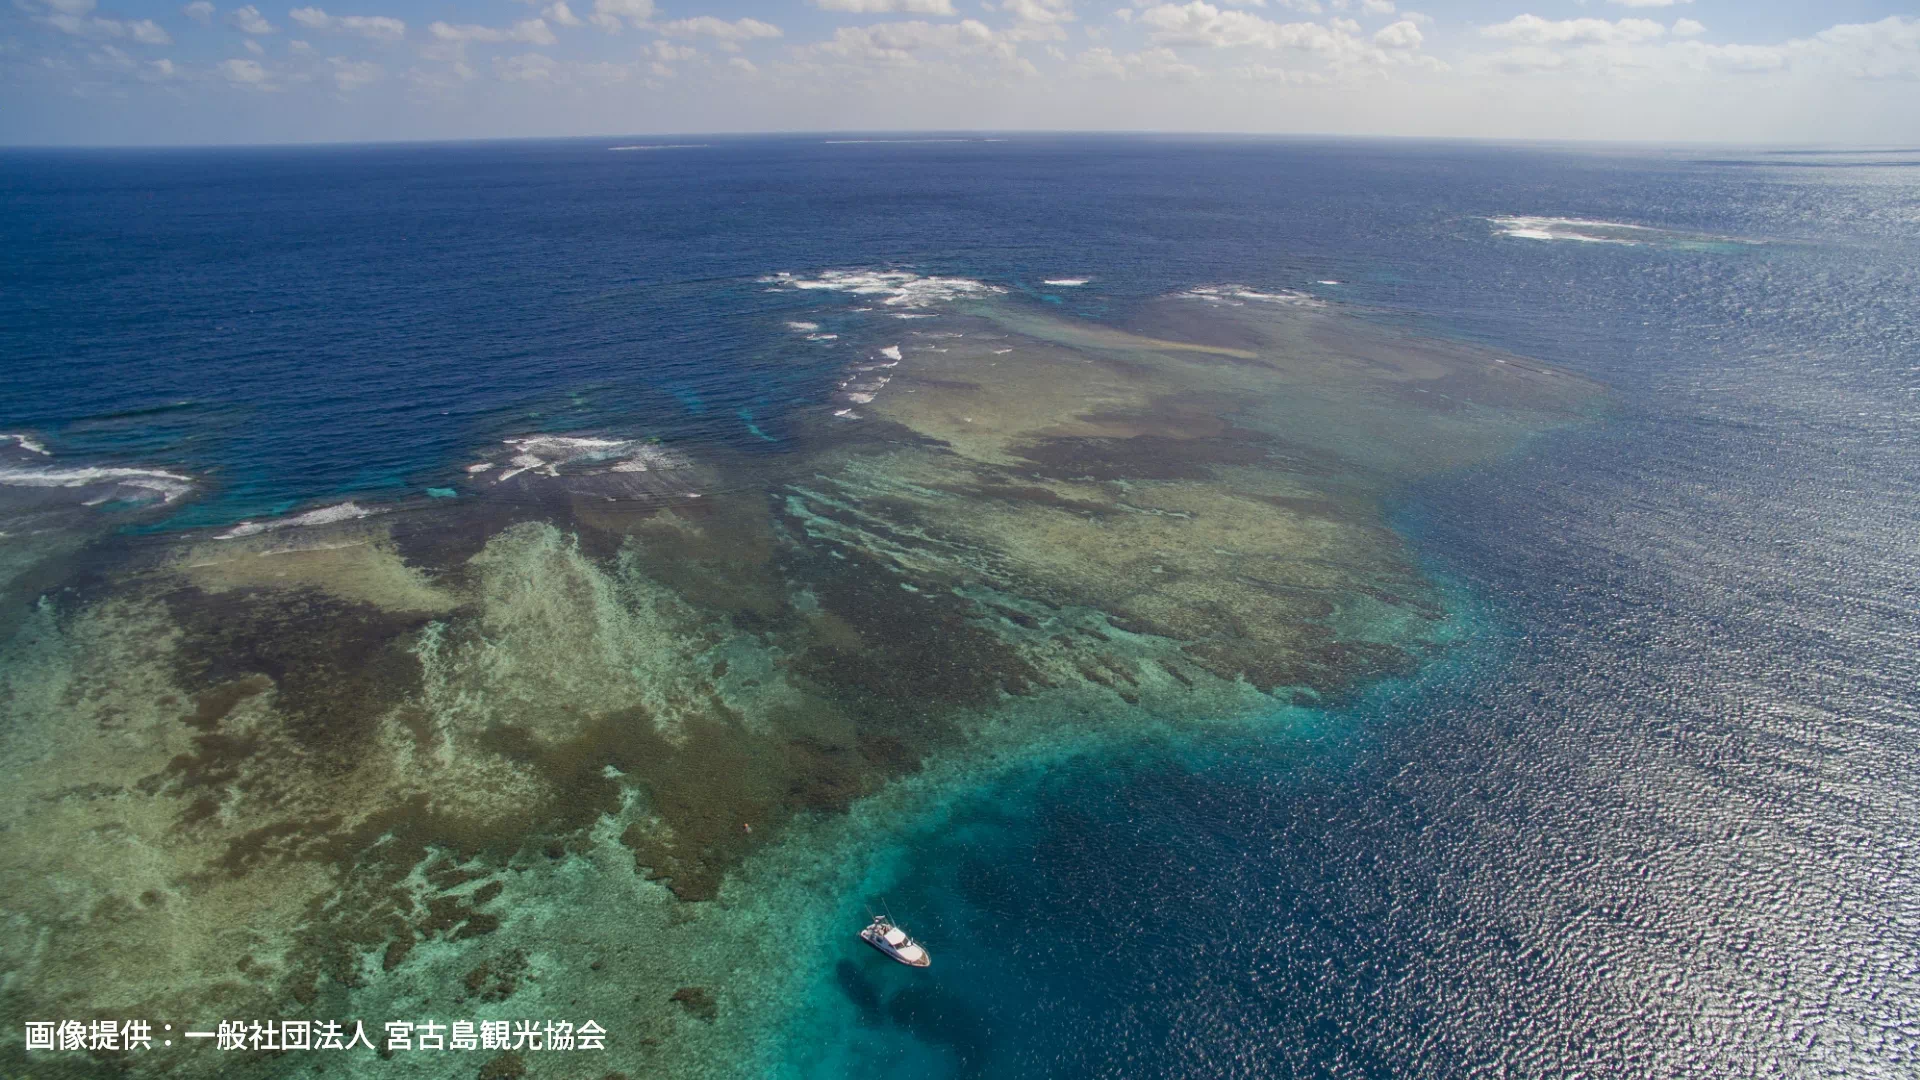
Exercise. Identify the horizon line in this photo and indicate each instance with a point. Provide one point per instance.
(973, 134)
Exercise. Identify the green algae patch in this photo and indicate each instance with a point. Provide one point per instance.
(576, 756)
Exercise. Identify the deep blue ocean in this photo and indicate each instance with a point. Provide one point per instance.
(1662, 818)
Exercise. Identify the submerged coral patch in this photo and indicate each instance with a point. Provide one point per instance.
(586, 743)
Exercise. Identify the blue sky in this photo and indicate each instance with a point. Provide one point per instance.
(136, 72)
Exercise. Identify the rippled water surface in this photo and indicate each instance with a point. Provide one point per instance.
(1269, 608)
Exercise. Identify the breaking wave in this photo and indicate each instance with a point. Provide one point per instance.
(1577, 229)
(326, 515)
(1238, 295)
(898, 288)
(114, 484)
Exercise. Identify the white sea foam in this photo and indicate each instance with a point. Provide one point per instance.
(1065, 282)
(28, 442)
(823, 337)
(912, 315)
(999, 352)
(546, 455)
(1326, 283)
(326, 515)
(133, 484)
(802, 327)
(899, 288)
(664, 146)
(1238, 295)
(1577, 229)
(891, 352)
(848, 413)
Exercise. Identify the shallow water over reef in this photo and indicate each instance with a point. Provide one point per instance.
(617, 730)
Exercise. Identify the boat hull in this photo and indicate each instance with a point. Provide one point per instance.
(888, 951)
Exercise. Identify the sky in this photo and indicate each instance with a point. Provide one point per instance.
(135, 72)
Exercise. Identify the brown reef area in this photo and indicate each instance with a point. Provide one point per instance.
(493, 759)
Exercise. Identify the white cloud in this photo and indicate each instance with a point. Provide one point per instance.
(199, 11)
(1650, 3)
(1399, 35)
(109, 56)
(1265, 73)
(70, 18)
(1534, 30)
(1733, 58)
(248, 20)
(561, 14)
(1888, 49)
(161, 69)
(526, 68)
(668, 53)
(525, 32)
(350, 75)
(742, 64)
(1039, 11)
(1038, 20)
(255, 47)
(245, 73)
(381, 28)
(897, 43)
(708, 26)
(1377, 7)
(610, 15)
(1103, 63)
(888, 7)
(1200, 23)
(1686, 28)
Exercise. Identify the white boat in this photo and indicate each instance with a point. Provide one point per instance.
(890, 939)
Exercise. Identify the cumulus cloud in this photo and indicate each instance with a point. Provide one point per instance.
(381, 28)
(71, 17)
(888, 7)
(611, 15)
(720, 29)
(1399, 35)
(742, 64)
(350, 75)
(525, 32)
(898, 43)
(1650, 3)
(525, 68)
(1038, 20)
(1733, 58)
(561, 14)
(667, 52)
(1103, 63)
(1039, 11)
(248, 20)
(1199, 23)
(246, 73)
(199, 11)
(1888, 49)
(1536, 31)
